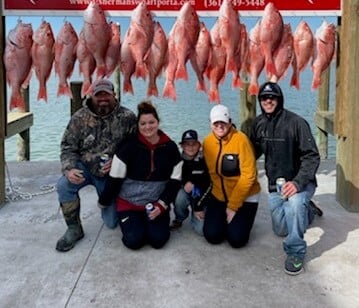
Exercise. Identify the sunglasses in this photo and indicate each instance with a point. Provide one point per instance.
(268, 96)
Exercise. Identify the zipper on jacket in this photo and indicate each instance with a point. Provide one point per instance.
(218, 171)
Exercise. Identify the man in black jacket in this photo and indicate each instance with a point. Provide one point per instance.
(290, 153)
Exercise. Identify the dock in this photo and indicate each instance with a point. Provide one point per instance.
(187, 272)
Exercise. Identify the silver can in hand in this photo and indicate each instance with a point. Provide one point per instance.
(149, 208)
(279, 185)
(104, 159)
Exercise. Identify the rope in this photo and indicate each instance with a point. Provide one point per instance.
(13, 193)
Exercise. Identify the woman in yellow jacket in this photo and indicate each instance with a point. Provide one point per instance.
(231, 205)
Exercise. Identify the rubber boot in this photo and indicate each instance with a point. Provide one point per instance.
(74, 232)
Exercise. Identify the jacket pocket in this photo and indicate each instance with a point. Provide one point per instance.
(230, 165)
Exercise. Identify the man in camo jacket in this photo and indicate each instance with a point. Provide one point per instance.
(88, 144)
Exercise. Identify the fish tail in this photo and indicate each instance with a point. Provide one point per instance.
(86, 88)
(127, 87)
(152, 90)
(17, 101)
(213, 96)
(101, 71)
(270, 68)
(253, 88)
(64, 90)
(201, 86)
(42, 94)
(169, 91)
(294, 82)
(141, 71)
(231, 65)
(316, 82)
(237, 82)
(181, 72)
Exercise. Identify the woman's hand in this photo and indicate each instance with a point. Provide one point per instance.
(158, 209)
(230, 215)
(75, 176)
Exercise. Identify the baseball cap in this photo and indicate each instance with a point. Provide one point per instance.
(102, 85)
(189, 135)
(270, 88)
(219, 113)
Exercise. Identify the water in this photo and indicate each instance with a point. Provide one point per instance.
(191, 110)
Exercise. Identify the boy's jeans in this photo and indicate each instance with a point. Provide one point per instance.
(291, 218)
(68, 192)
(182, 202)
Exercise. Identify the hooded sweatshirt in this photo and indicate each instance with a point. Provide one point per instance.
(287, 143)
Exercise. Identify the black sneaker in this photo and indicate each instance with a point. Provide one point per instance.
(293, 265)
(315, 209)
(176, 224)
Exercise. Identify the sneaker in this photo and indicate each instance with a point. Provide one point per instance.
(176, 224)
(293, 265)
(315, 209)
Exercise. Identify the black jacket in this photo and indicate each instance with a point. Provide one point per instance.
(288, 145)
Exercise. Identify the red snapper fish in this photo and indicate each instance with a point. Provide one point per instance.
(65, 57)
(140, 36)
(199, 59)
(156, 58)
(97, 34)
(229, 33)
(270, 36)
(217, 64)
(184, 34)
(18, 61)
(43, 54)
(255, 59)
(87, 64)
(324, 51)
(127, 65)
(113, 53)
(284, 54)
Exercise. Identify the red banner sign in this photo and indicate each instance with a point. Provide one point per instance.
(120, 7)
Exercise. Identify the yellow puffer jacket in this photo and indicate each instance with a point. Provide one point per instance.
(242, 184)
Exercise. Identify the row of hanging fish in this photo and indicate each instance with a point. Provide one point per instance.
(146, 52)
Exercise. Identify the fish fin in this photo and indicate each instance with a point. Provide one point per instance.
(42, 94)
(17, 101)
(169, 91)
(64, 90)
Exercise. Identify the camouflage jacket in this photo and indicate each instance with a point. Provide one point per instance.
(88, 136)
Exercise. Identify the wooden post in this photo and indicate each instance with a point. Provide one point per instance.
(76, 101)
(347, 94)
(323, 105)
(3, 116)
(23, 139)
(247, 109)
(117, 84)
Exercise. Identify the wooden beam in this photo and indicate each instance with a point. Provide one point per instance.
(247, 109)
(2, 111)
(347, 94)
(18, 122)
(324, 120)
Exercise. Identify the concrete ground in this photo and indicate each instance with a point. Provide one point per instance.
(187, 272)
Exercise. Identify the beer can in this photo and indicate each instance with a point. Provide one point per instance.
(104, 159)
(279, 184)
(149, 208)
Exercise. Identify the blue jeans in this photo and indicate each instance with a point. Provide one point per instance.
(181, 208)
(68, 192)
(291, 218)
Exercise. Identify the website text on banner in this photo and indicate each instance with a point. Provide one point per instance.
(123, 7)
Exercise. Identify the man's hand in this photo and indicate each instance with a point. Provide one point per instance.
(230, 214)
(106, 167)
(289, 189)
(199, 215)
(188, 187)
(75, 176)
